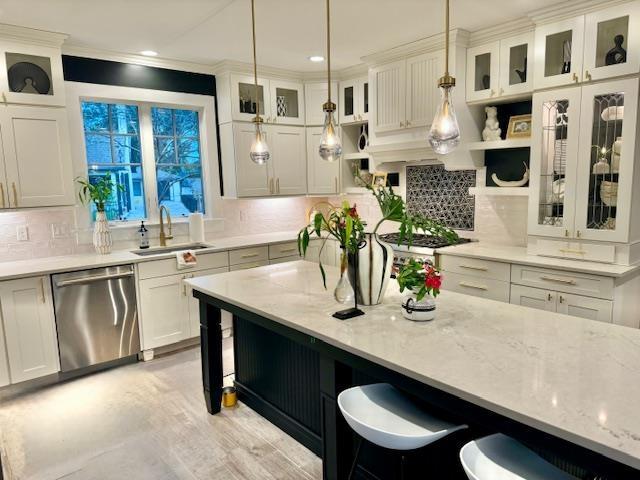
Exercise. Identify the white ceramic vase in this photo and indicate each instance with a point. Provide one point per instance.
(418, 310)
(102, 241)
(375, 260)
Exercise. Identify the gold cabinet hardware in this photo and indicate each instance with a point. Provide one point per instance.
(578, 234)
(287, 250)
(566, 233)
(401, 124)
(572, 251)
(249, 255)
(42, 297)
(561, 299)
(2, 194)
(15, 194)
(473, 267)
(471, 285)
(574, 77)
(336, 183)
(271, 186)
(278, 185)
(549, 297)
(184, 286)
(587, 75)
(408, 123)
(558, 280)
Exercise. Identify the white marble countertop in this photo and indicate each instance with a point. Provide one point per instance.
(573, 378)
(519, 255)
(66, 263)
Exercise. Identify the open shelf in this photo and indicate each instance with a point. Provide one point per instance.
(497, 145)
(500, 191)
(355, 156)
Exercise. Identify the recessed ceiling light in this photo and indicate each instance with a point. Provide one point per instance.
(148, 53)
(316, 58)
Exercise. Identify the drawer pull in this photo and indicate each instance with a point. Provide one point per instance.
(287, 250)
(472, 267)
(250, 255)
(471, 285)
(575, 252)
(558, 280)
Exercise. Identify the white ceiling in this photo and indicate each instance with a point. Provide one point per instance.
(288, 31)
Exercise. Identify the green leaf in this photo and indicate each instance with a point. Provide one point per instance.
(324, 275)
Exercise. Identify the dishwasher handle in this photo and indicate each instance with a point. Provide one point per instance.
(92, 279)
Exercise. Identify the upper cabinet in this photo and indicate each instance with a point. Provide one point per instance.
(31, 74)
(354, 100)
(315, 96)
(500, 69)
(322, 177)
(583, 162)
(405, 92)
(277, 101)
(595, 46)
(34, 147)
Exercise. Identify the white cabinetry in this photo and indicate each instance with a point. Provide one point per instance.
(533, 298)
(354, 100)
(5, 379)
(37, 160)
(322, 177)
(194, 304)
(483, 67)
(583, 48)
(581, 176)
(315, 96)
(284, 174)
(29, 328)
(405, 93)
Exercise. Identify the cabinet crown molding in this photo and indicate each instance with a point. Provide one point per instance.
(31, 35)
(499, 32)
(571, 9)
(433, 43)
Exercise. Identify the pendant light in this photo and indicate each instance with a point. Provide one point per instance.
(259, 152)
(444, 135)
(330, 146)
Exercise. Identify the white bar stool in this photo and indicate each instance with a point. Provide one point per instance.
(498, 457)
(380, 414)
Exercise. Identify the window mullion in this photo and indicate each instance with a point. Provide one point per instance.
(148, 163)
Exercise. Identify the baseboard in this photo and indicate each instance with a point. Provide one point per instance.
(283, 421)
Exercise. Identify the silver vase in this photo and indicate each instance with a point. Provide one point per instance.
(375, 261)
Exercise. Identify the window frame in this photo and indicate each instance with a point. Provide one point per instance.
(144, 99)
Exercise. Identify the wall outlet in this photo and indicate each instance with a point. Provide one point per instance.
(22, 232)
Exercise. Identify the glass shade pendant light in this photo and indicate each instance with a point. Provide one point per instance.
(259, 152)
(444, 135)
(330, 146)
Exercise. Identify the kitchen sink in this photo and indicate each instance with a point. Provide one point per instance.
(170, 249)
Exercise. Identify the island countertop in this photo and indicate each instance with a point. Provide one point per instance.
(576, 379)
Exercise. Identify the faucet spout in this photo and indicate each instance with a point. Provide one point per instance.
(163, 236)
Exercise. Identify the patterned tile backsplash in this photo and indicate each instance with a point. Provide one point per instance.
(443, 195)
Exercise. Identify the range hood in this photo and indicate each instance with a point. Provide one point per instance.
(419, 151)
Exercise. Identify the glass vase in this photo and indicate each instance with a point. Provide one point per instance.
(343, 292)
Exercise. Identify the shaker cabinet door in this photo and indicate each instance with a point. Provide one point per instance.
(288, 159)
(585, 307)
(252, 179)
(322, 177)
(533, 298)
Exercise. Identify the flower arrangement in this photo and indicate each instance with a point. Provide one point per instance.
(342, 223)
(421, 278)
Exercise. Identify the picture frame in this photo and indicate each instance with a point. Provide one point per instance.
(519, 126)
(379, 180)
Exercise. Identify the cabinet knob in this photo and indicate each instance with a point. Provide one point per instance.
(587, 75)
(574, 77)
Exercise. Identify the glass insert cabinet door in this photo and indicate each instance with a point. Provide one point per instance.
(606, 160)
(555, 135)
(612, 42)
(516, 64)
(287, 105)
(558, 53)
(483, 64)
(245, 101)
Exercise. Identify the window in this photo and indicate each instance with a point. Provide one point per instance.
(176, 145)
(114, 135)
(112, 139)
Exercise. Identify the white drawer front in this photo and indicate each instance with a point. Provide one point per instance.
(246, 266)
(169, 266)
(476, 286)
(561, 281)
(248, 255)
(574, 250)
(280, 250)
(475, 267)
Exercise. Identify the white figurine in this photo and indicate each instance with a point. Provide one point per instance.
(492, 129)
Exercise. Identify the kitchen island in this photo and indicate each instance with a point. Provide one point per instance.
(564, 384)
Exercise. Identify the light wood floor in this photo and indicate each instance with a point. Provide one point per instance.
(143, 421)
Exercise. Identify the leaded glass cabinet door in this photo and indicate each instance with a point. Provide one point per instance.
(606, 160)
(554, 149)
(612, 42)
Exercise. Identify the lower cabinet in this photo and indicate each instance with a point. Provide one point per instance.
(194, 304)
(5, 379)
(567, 303)
(29, 330)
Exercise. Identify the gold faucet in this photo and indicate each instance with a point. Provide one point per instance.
(163, 236)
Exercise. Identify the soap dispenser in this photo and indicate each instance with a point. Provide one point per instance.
(143, 233)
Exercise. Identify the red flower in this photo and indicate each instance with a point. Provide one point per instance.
(433, 282)
(352, 212)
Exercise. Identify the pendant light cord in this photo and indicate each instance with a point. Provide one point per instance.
(255, 63)
(328, 52)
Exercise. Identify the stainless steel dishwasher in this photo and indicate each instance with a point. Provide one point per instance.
(96, 316)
